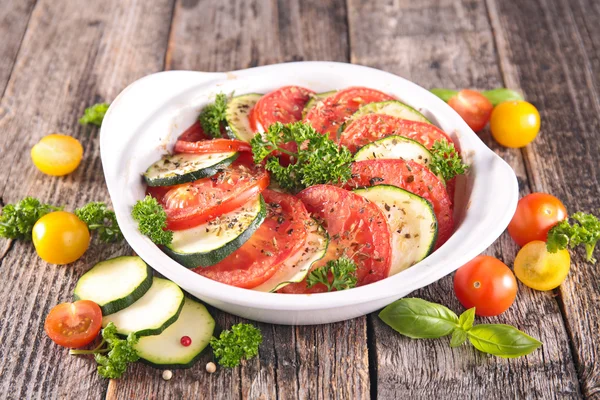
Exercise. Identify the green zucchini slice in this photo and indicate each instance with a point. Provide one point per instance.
(394, 108)
(237, 115)
(115, 284)
(182, 168)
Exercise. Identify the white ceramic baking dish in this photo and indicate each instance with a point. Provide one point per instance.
(145, 119)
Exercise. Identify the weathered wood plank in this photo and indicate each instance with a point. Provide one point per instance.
(71, 57)
(450, 44)
(318, 362)
(14, 15)
(559, 69)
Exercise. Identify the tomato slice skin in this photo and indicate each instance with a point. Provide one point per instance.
(410, 176)
(194, 133)
(282, 105)
(328, 115)
(194, 203)
(371, 127)
(356, 228)
(74, 325)
(281, 234)
(211, 146)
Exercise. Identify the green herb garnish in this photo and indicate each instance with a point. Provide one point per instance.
(94, 115)
(241, 342)
(113, 354)
(17, 220)
(420, 319)
(585, 230)
(214, 115)
(446, 162)
(152, 220)
(341, 271)
(99, 218)
(317, 160)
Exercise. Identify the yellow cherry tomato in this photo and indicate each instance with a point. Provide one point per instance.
(60, 237)
(57, 154)
(539, 269)
(515, 123)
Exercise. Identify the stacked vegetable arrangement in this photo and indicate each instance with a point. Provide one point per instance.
(302, 192)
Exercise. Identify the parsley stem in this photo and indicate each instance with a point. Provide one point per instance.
(97, 349)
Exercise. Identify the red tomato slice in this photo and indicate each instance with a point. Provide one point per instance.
(371, 127)
(191, 204)
(329, 114)
(75, 324)
(281, 234)
(357, 229)
(410, 176)
(211, 146)
(282, 105)
(194, 133)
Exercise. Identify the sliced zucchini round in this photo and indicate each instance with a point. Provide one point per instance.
(182, 168)
(297, 266)
(394, 108)
(166, 351)
(115, 284)
(411, 221)
(238, 110)
(314, 99)
(154, 312)
(207, 244)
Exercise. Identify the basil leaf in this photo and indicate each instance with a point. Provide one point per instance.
(444, 94)
(459, 336)
(497, 96)
(502, 340)
(419, 319)
(467, 318)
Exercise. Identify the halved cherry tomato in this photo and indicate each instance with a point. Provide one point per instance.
(194, 203)
(487, 284)
(211, 146)
(283, 105)
(57, 154)
(281, 234)
(328, 115)
(539, 269)
(357, 229)
(536, 214)
(410, 176)
(371, 127)
(75, 324)
(60, 237)
(473, 107)
(515, 123)
(194, 133)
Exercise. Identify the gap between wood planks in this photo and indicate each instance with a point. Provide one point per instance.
(511, 80)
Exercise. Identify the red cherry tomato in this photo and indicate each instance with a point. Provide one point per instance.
(487, 284)
(536, 214)
(473, 107)
(74, 325)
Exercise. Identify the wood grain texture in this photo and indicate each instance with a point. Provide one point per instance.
(450, 44)
(71, 57)
(559, 69)
(318, 362)
(14, 16)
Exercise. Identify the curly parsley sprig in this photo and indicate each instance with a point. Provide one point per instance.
(585, 230)
(94, 115)
(99, 218)
(317, 160)
(214, 115)
(445, 160)
(17, 220)
(341, 271)
(152, 220)
(113, 354)
(241, 342)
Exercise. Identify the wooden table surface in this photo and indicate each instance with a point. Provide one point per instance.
(59, 56)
